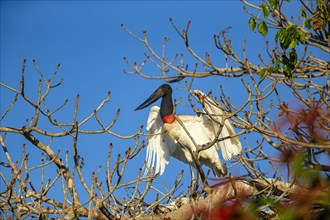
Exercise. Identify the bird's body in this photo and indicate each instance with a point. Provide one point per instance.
(169, 137)
(172, 139)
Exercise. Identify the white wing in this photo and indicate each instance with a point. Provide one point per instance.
(202, 131)
(160, 146)
(229, 147)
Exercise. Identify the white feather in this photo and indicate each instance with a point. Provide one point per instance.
(229, 147)
(160, 147)
(166, 140)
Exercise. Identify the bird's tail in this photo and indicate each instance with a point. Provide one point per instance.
(220, 171)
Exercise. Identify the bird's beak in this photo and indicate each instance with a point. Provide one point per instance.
(153, 98)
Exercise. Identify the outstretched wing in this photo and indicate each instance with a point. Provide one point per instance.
(229, 147)
(160, 146)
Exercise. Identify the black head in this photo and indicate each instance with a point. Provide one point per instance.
(162, 91)
(166, 88)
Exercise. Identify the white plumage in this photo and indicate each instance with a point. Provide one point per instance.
(170, 139)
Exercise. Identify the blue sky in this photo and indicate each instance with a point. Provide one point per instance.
(86, 38)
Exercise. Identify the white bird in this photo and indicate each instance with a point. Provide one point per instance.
(167, 137)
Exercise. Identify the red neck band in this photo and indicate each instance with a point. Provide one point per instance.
(168, 119)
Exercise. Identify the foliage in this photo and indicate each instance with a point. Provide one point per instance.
(290, 35)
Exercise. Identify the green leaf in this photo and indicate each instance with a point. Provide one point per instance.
(303, 13)
(288, 66)
(285, 41)
(302, 37)
(252, 23)
(270, 70)
(285, 60)
(273, 3)
(266, 10)
(298, 164)
(262, 72)
(262, 28)
(277, 64)
(293, 43)
(279, 33)
(290, 36)
(293, 57)
(307, 24)
(287, 70)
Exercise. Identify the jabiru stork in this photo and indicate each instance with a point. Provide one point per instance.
(167, 137)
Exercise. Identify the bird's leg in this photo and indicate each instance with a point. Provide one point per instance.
(198, 181)
(194, 154)
(197, 164)
(191, 171)
(199, 167)
(193, 182)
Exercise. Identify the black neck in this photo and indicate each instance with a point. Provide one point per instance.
(166, 106)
